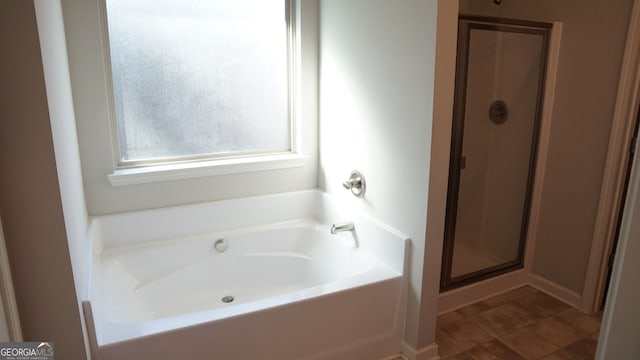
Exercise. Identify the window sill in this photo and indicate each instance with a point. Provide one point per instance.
(159, 173)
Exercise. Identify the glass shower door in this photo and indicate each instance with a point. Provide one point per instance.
(500, 77)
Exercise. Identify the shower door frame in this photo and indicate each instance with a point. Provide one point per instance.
(465, 25)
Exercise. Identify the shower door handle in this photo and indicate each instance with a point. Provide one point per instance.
(463, 162)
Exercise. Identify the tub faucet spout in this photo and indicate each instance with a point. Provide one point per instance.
(336, 228)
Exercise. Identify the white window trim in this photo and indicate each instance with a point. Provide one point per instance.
(149, 172)
(86, 51)
(194, 169)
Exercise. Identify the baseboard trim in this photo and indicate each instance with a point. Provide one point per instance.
(457, 298)
(429, 352)
(552, 289)
(394, 357)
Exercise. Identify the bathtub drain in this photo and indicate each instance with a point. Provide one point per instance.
(227, 299)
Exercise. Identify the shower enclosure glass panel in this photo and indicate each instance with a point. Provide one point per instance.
(498, 93)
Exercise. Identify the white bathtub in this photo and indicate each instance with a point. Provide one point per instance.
(285, 288)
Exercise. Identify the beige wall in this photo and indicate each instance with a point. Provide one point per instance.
(590, 57)
(30, 203)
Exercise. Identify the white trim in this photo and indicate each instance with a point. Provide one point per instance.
(394, 357)
(620, 326)
(627, 102)
(457, 298)
(91, 330)
(7, 295)
(552, 289)
(543, 141)
(189, 170)
(429, 352)
(110, 94)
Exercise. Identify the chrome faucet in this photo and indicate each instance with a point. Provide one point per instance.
(348, 226)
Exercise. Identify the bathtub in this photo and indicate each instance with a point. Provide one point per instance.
(252, 278)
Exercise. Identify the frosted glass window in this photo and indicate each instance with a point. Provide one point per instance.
(199, 77)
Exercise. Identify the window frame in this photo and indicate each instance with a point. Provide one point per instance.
(127, 172)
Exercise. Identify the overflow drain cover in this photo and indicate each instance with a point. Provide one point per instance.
(227, 299)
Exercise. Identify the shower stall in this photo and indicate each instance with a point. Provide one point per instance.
(500, 77)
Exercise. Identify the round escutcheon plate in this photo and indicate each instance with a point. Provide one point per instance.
(498, 112)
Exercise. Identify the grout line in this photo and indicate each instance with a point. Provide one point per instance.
(511, 348)
(442, 333)
(515, 299)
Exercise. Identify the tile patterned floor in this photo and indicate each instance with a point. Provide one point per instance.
(521, 324)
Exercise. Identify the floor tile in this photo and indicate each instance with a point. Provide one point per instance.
(584, 349)
(558, 355)
(473, 309)
(521, 324)
(448, 318)
(499, 299)
(461, 356)
(528, 344)
(545, 304)
(497, 323)
(446, 346)
(555, 332)
(494, 350)
(465, 334)
(520, 313)
(510, 296)
(585, 324)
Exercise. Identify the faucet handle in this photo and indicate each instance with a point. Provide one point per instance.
(351, 183)
(355, 183)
